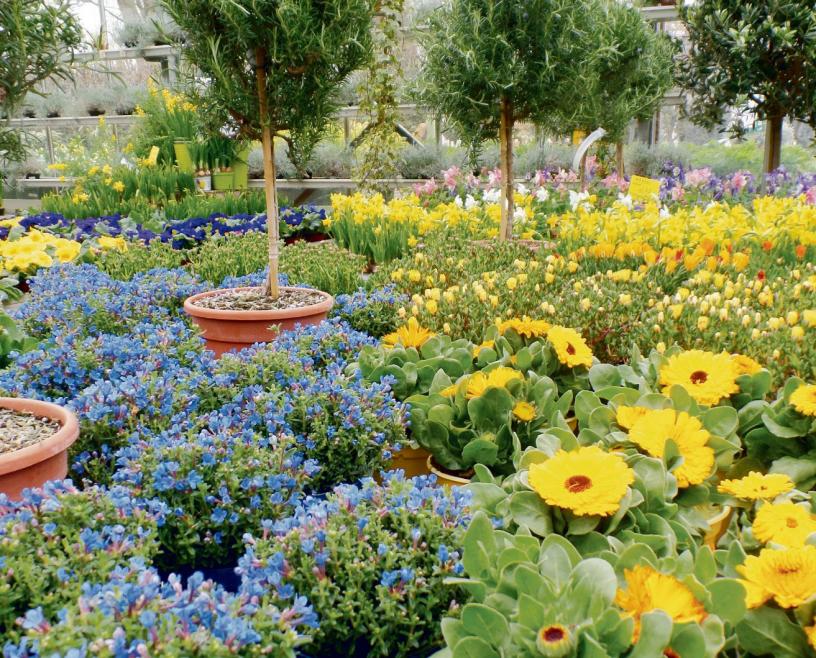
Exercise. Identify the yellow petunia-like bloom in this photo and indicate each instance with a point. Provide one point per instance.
(570, 347)
(648, 590)
(525, 327)
(626, 417)
(651, 431)
(756, 486)
(524, 411)
(707, 377)
(784, 523)
(479, 382)
(803, 399)
(788, 576)
(588, 481)
(409, 335)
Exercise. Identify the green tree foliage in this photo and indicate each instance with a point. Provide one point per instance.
(492, 63)
(37, 39)
(275, 67)
(757, 56)
(628, 77)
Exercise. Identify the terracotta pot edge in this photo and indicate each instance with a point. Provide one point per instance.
(238, 316)
(58, 442)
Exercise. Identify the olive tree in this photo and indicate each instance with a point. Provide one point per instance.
(37, 40)
(755, 56)
(492, 63)
(275, 67)
(626, 79)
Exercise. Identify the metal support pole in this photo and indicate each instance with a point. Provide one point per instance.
(49, 143)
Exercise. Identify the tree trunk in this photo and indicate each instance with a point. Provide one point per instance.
(619, 157)
(506, 163)
(270, 187)
(773, 142)
(582, 172)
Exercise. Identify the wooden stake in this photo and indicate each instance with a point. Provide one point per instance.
(773, 142)
(621, 164)
(506, 164)
(270, 187)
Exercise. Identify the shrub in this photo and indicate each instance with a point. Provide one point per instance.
(372, 560)
(373, 312)
(138, 258)
(57, 541)
(149, 616)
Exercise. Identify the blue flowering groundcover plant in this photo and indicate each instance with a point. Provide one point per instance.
(196, 458)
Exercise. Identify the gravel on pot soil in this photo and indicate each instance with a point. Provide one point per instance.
(21, 429)
(253, 299)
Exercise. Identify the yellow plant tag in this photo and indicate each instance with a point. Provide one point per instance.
(578, 136)
(153, 157)
(643, 189)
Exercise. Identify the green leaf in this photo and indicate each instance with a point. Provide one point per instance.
(767, 631)
(728, 599)
(480, 451)
(721, 421)
(474, 647)
(486, 623)
(655, 634)
(527, 509)
(479, 546)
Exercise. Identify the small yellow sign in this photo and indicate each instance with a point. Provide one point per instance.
(578, 136)
(643, 189)
(153, 157)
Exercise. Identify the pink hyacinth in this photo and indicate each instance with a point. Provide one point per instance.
(738, 181)
(451, 177)
(810, 196)
(698, 177)
(494, 178)
(678, 193)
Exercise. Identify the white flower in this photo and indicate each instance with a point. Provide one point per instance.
(626, 200)
(522, 189)
(576, 198)
(665, 213)
(492, 196)
(470, 202)
(542, 194)
(458, 201)
(519, 215)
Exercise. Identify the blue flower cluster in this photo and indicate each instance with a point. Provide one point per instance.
(204, 454)
(180, 234)
(378, 550)
(137, 614)
(373, 311)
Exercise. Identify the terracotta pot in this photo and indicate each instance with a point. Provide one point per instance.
(446, 478)
(225, 331)
(46, 460)
(414, 461)
(717, 526)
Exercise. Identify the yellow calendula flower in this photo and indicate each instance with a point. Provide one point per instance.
(524, 411)
(409, 335)
(648, 590)
(554, 640)
(803, 399)
(785, 523)
(745, 365)
(479, 382)
(570, 347)
(488, 344)
(588, 481)
(651, 431)
(525, 326)
(627, 416)
(787, 576)
(707, 377)
(756, 486)
(448, 391)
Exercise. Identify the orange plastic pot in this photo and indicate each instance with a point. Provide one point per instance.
(414, 461)
(227, 331)
(47, 460)
(446, 478)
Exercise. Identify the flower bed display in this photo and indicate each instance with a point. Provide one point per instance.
(630, 413)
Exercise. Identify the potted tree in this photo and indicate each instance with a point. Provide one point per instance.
(275, 70)
(490, 65)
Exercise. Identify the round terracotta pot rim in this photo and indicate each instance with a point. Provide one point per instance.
(191, 308)
(53, 445)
